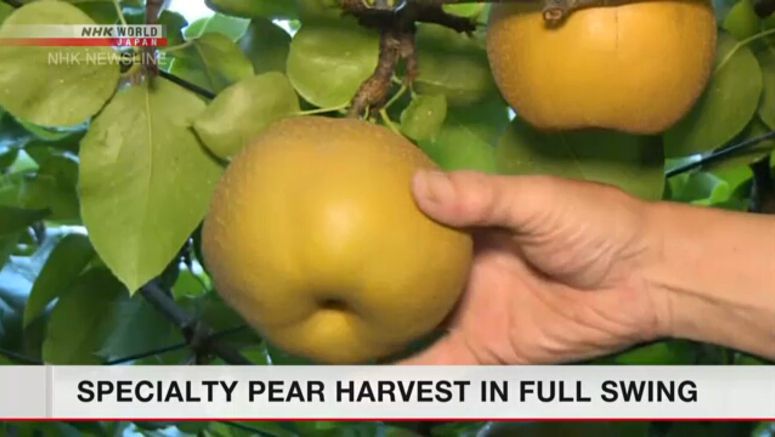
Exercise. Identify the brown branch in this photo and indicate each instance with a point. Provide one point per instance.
(554, 11)
(374, 91)
(153, 9)
(397, 29)
(408, 43)
(197, 334)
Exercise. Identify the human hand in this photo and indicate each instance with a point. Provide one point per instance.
(557, 273)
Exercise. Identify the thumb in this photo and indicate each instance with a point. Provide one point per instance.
(463, 199)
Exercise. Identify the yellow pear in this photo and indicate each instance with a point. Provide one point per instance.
(314, 238)
(637, 67)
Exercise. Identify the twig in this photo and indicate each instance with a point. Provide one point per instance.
(18, 357)
(140, 356)
(160, 300)
(198, 335)
(173, 347)
(721, 154)
(187, 85)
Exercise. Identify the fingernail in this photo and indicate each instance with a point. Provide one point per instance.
(433, 185)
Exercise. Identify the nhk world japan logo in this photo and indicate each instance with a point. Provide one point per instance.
(141, 35)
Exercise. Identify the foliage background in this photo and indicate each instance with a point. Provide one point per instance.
(103, 184)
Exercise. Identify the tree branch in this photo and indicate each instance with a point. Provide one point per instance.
(140, 356)
(153, 9)
(187, 85)
(374, 91)
(171, 348)
(197, 334)
(721, 154)
(397, 29)
(397, 26)
(554, 11)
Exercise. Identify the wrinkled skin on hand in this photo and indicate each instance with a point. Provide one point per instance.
(557, 274)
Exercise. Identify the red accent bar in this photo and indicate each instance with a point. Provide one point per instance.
(404, 419)
(84, 42)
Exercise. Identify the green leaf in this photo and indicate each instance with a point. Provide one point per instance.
(282, 358)
(469, 10)
(80, 321)
(47, 93)
(458, 147)
(742, 359)
(17, 219)
(44, 133)
(101, 11)
(12, 133)
(633, 163)
(255, 8)
(742, 21)
(220, 316)
(174, 24)
(5, 11)
(319, 11)
(257, 354)
(452, 64)
(243, 110)
(700, 188)
(11, 186)
(53, 187)
(468, 137)
(673, 352)
(7, 158)
(212, 61)
(458, 429)
(327, 63)
(266, 45)
(145, 180)
(423, 118)
(273, 429)
(747, 157)
(139, 328)
(230, 27)
(622, 429)
(62, 268)
(722, 8)
(8, 244)
(767, 104)
(726, 107)
(190, 285)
